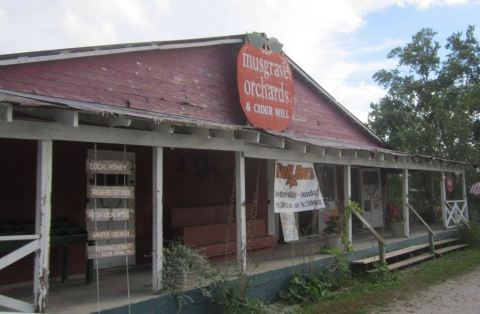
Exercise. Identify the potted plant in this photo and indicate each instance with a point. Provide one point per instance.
(395, 219)
(332, 231)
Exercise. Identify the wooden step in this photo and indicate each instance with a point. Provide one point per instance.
(410, 261)
(410, 249)
(391, 254)
(450, 248)
(442, 242)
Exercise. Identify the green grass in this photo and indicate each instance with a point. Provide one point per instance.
(363, 296)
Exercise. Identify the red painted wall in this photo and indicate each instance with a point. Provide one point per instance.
(17, 191)
(195, 82)
(184, 185)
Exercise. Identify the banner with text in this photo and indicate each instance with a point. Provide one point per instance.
(296, 187)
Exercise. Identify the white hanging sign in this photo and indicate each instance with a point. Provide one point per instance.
(296, 187)
(109, 166)
(289, 227)
(107, 214)
(101, 251)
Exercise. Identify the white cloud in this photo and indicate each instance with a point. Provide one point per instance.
(313, 32)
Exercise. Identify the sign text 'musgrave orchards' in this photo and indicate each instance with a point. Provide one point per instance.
(265, 87)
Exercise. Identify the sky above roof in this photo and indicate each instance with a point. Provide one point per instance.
(340, 43)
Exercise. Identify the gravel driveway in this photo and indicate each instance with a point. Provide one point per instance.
(460, 295)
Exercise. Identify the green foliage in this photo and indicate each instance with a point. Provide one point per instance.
(352, 206)
(310, 287)
(178, 261)
(381, 274)
(471, 233)
(232, 296)
(431, 106)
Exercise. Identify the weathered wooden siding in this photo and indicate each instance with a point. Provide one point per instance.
(195, 82)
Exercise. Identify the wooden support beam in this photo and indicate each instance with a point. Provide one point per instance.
(272, 224)
(164, 128)
(347, 189)
(241, 212)
(296, 146)
(228, 135)
(42, 223)
(19, 253)
(202, 132)
(6, 112)
(248, 136)
(443, 199)
(16, 305)
(275, 141)
(406, 212)
(66, 117)
(157, 218)
(118, 121)
(464, 195)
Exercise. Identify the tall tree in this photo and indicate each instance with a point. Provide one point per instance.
(432, 105)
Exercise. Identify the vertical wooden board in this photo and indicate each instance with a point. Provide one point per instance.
(443, 199)
(240, 211)
(42, 223)
(157, 221)
(347, 190)
(272, 224)
(406, 211)
(464, 195)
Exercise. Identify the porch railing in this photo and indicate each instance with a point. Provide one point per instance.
(380, 239)
(456, 212)
(28, 248)
(431, 233)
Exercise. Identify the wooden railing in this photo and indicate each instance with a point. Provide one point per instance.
(431, 234)
(380, 239)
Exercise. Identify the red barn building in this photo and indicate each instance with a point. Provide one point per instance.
(168, 118)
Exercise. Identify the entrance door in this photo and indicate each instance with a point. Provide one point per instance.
(113, 180)
(371, 194)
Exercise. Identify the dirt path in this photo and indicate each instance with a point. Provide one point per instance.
(460, 295)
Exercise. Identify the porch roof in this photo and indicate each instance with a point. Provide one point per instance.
(51, 109)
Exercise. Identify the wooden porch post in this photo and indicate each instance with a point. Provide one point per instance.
(240, 212)
(157, 218)
(42, 224)
(272, 223)
(406, 211)
(464, 195)
(443, 199)
(347, 195)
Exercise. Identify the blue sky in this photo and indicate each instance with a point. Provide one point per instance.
(340, 43)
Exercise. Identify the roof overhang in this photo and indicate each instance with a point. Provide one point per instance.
(62, 119)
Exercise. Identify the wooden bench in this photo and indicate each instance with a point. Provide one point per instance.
(207, 229)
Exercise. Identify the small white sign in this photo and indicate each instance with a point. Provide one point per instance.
(110, 192)
(289, 227)
(109, 166)
(110, 234)
(296, 187)
(107, 214)
(102, 251)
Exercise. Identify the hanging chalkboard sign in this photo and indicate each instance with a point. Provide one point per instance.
(110, 192)
(109, 166)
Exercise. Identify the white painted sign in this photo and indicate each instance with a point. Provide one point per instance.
(296, 187)
(106, 214)
(110, 234)
(109, 166)
(289, 227)
(110, 192)
(101, 251)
